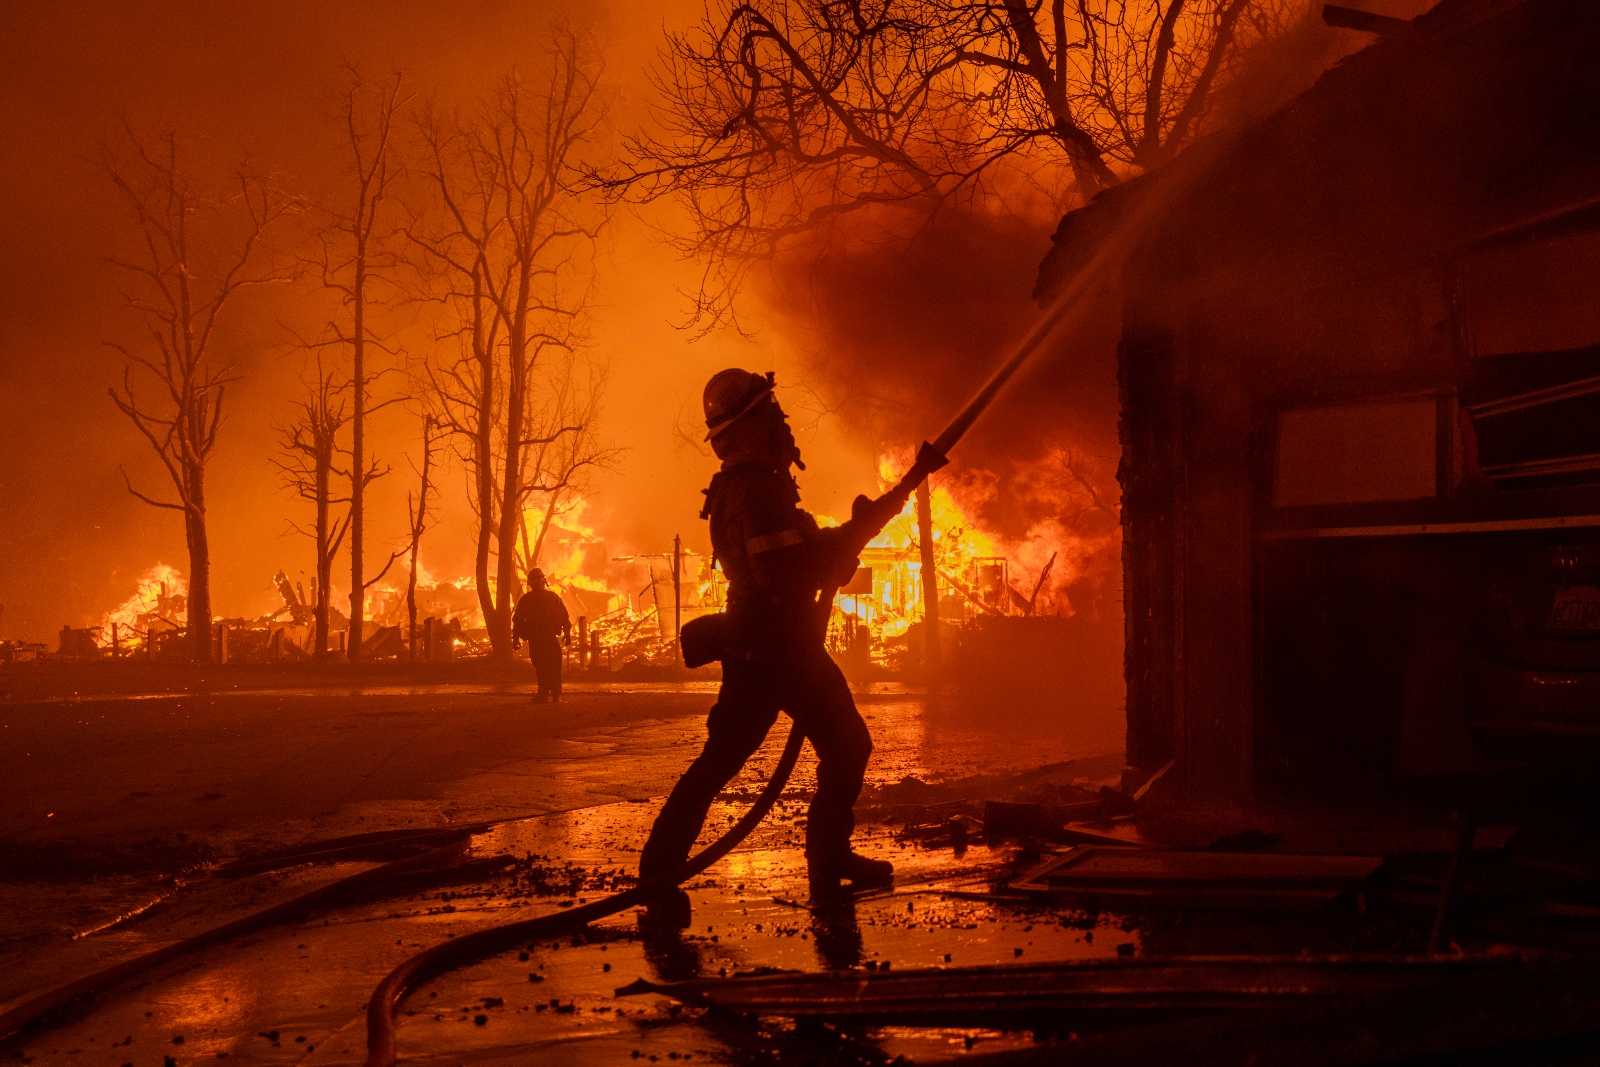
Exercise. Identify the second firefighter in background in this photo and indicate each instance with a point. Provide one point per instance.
(541, 619)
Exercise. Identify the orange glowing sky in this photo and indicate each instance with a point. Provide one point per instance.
(915, 329)
(263, 78)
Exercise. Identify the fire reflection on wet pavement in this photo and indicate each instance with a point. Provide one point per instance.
(296, 993)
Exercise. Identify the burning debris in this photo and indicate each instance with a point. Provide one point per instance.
(984, 592)
(147, 622)
(877, 625)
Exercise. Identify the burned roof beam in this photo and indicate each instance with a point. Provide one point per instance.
(1348, 18)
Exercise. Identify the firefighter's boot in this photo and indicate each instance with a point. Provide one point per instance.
(859, 871)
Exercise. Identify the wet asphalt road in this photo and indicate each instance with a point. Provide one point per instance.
(246, 772)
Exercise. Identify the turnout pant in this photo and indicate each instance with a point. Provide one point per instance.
(546, 655)
(814, 693)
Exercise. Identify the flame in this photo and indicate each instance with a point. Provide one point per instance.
(442, 598)
(620, 629)
(979, 571)
(562, 558)
(160, 602)
(566, 545)
(895, 556)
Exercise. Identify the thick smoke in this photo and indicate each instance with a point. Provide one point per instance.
(900, 330)
(899, 336)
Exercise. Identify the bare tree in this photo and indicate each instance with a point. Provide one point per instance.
(310, 445)
(357, 254)
(508, 236)
(418, 510)
(567, 450)
(781, 117)
(197, 249)
(1085, 483)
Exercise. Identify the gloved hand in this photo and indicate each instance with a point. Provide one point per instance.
(873, 515)
(868, 517)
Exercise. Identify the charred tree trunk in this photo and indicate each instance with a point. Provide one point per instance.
(411, 610)
(506, 583)
(199, 604)
(356, 254)
(419, 520)
(323, 477)
(310, 447)
(483, 447)
(358, 471)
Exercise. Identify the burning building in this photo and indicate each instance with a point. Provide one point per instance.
(148, 620)
(1360, 446)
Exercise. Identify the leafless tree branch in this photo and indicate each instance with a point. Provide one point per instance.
(776, 119)
(509, 238)
(199, 247)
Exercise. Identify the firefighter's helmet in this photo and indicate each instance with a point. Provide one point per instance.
(731, 393)
(535, 577)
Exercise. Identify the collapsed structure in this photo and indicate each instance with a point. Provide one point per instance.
(1360, 422)
(995, 618)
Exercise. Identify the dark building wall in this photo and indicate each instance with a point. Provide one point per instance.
(1188, 505)
(1217, 563)
(1350, 248)
(1149, 471)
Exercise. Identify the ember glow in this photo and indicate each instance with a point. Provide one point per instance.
(158, 606)
(980, 574)
(453, 600)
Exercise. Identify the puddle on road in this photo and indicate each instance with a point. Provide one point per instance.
(748, 914)
(253, 1001)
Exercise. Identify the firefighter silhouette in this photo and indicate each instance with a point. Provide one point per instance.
(781, 568)
(542, 621)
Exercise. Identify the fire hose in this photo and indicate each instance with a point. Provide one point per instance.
(442, 957)
(386, 998)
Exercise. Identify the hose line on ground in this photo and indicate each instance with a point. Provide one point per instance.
(31, 1011)
(442, 957)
